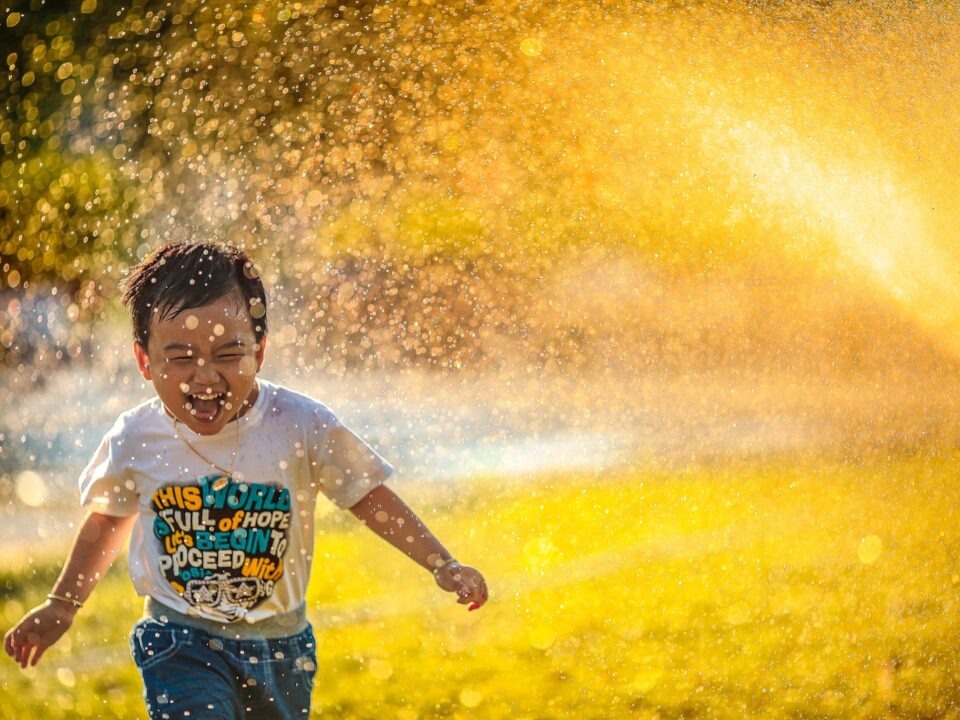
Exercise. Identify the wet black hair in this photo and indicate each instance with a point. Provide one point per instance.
(185, 275)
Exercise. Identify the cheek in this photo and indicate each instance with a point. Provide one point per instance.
(247, 366)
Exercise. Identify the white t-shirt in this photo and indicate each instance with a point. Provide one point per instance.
(243, 551)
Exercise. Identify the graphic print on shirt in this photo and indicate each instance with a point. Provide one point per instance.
(222, 550)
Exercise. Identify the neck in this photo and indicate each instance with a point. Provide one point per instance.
(248, 403)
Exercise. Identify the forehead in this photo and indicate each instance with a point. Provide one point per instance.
(227, 315)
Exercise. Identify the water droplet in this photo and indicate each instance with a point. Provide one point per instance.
(380, 669)
(738, 613)
(31, 489)
(531, 47)
(66, 677)
(645, 680)
(869, 549)
(471, 698)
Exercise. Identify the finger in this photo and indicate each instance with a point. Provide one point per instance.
(36, 656)
(479, 589)
(23, 654)
(472, 595)
(483, 597)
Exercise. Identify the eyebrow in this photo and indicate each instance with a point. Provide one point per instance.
(226, 346)
(231, 344)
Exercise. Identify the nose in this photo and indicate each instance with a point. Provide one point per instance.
(205, 373)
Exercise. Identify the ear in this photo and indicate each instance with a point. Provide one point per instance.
(143, 361)
(263, 347)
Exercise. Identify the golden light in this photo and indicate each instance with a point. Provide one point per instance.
(643, 284)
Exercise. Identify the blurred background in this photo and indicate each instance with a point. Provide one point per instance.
(499, 238)
(542, 233)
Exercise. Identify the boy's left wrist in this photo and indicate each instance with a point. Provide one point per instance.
(436, 563)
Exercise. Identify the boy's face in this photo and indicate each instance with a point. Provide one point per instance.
(203, 363)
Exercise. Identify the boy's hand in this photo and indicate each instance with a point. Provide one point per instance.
(466, 581)
(37, 630)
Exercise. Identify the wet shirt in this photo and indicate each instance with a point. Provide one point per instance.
(238, 548)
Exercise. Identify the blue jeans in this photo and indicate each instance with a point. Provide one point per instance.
(190, 673)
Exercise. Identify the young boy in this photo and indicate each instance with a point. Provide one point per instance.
(217, 478)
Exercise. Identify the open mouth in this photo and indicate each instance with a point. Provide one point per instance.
(206, 407)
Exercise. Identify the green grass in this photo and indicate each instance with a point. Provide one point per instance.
(732, 590)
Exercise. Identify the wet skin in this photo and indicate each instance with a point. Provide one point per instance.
(207, 352)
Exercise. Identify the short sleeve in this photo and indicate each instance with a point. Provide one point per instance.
(347, 467)
(104, 485)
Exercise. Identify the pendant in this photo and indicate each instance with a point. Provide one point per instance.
(221, 482)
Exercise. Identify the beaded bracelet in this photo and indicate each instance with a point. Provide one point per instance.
(445, 563)
(62, 598)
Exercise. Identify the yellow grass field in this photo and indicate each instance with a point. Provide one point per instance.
(784, 588)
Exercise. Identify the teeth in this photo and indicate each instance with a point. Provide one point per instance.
(207, 397)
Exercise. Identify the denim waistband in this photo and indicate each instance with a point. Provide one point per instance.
(277, 626)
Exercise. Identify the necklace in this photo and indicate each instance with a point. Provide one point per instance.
(221, 481)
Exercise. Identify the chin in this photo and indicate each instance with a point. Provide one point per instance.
(205, 428)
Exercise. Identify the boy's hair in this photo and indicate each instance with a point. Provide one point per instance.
(185, 275)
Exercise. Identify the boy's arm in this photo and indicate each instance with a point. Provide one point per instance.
(97, 543)
(388, 516)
